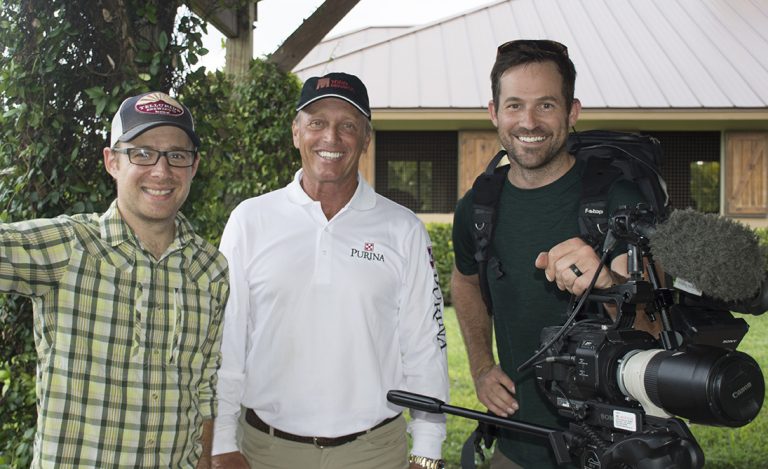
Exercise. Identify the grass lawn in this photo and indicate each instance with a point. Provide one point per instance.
(724, 448)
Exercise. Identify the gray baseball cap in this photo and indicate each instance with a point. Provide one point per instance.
(146, 111)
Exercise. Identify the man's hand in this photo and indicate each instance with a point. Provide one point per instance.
(206, 439)
(233, 460)
(559, 261)
(204, 463)
(496, 390)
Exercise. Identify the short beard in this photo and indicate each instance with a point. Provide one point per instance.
(519, 158)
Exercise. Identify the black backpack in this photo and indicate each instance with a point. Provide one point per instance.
(609, 156)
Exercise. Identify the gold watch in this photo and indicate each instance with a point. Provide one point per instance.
(426, 463)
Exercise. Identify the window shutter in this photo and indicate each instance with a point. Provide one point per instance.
(746, 173)
(476, 148)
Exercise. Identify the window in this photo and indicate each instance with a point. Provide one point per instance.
(705, 186)
(691, 168)
(418, 169)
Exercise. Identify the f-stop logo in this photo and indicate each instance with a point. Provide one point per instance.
(368, 253)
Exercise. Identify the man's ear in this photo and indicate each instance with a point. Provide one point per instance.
(197, 163)
(111, 162)
(573, 116)
(492, 112)
(295, 132)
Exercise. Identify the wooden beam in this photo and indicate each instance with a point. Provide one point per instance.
(310, 33)
(223, 15)
(240, 49)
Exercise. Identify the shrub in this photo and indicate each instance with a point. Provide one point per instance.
(442, 252)
(64, 69)
(247, 147)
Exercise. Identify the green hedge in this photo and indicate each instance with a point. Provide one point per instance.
(247, 147)
(442, 251)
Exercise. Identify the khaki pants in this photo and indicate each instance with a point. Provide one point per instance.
(383, 448)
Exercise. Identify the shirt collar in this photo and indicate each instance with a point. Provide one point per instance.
(115, 230)
(364, 197)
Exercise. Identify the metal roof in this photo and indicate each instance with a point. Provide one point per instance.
(337, 46)
(629, 54)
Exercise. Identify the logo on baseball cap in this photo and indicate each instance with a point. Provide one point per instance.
(147, 111)
(335, 85)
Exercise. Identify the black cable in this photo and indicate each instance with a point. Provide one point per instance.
(575, 311)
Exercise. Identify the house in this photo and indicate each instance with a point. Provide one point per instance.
(693, 73)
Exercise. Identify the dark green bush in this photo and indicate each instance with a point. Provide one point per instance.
(245, 127)
(64, 69)
(247, 147)
(762, 235)
(442, 251)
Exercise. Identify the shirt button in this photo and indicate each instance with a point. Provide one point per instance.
(155, 396)
(151, 441)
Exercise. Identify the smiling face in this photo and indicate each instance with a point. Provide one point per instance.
(331, 135)
(532, 118)
(150, 196)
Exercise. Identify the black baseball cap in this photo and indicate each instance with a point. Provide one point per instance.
(146, 111)
(335, 85)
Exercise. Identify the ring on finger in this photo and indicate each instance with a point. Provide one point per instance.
(576, 270)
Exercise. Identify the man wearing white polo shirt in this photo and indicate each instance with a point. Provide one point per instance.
(334, 301)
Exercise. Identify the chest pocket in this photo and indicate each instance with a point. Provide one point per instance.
(196, 314)
(92, 323)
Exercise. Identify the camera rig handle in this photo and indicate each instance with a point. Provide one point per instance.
(436, 406)
(663, 443)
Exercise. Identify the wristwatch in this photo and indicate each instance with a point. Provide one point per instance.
(427, 463)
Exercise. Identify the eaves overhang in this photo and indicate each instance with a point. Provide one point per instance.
(637, 119)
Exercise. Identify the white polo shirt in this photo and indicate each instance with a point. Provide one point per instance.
(324, 317)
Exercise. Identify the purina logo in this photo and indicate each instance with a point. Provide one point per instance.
(368, 253)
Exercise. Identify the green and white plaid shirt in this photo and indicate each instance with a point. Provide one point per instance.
(127, 345)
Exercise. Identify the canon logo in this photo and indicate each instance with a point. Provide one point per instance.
(741, 390)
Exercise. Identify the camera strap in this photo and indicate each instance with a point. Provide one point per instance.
(484, 435)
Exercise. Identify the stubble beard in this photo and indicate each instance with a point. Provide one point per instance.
(533, 160)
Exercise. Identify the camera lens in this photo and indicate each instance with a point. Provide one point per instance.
(708, 385)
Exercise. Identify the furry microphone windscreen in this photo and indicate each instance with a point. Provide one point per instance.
(721, 257)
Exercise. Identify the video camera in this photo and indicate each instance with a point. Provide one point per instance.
(623, 390)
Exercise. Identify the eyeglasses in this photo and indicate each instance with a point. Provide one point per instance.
(150, 156)
(543, 45)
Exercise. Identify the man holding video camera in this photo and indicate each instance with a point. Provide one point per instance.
(541, 259)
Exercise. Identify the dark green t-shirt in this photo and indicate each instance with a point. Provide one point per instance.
(529, 222)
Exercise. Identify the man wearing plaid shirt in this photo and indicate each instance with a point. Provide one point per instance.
(127, 307)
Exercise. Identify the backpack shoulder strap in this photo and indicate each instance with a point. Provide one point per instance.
(599, 176)
(487, 191)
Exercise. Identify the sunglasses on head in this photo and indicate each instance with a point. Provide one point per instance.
(543, 45)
